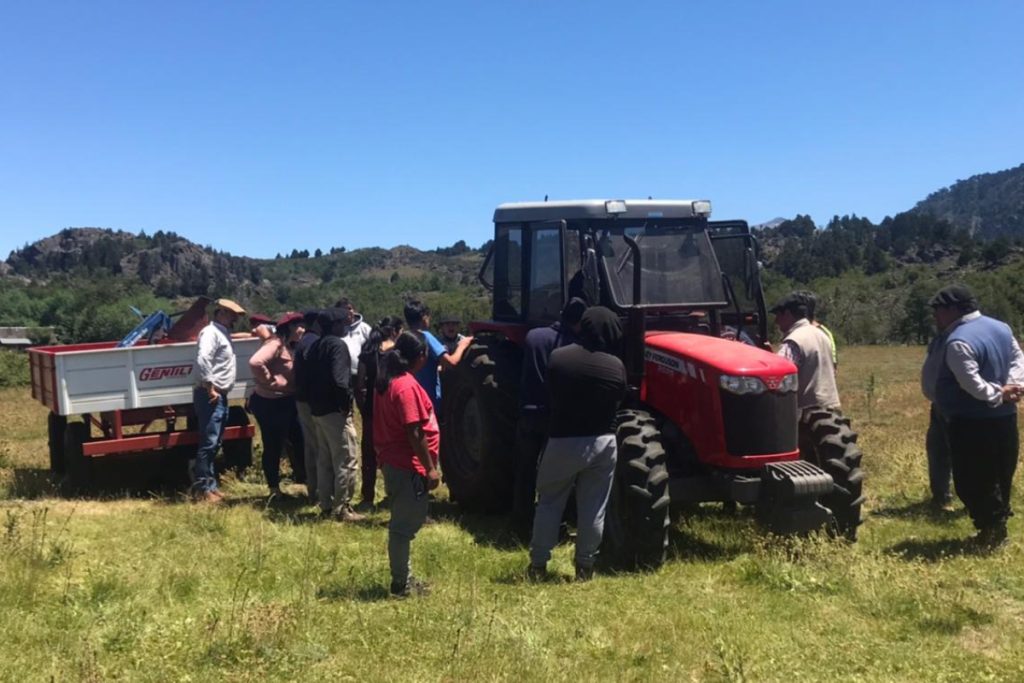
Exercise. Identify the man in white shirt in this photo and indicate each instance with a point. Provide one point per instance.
(976, 392)
(217, 371)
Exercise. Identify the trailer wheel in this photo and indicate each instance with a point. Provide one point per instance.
(479, 414)
(830, 443)
(77, 467)
(237, 452)
(637, 518)
(56, 426)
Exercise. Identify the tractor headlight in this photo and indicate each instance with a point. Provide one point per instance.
(741, 385)
(788, 384)
(702, 207)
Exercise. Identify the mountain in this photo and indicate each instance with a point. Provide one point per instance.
(988, 205)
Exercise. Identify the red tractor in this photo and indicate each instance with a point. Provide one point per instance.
(712, 413)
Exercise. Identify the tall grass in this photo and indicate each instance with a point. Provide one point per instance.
(153, 589)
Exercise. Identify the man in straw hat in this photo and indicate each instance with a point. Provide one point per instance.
(216, 372)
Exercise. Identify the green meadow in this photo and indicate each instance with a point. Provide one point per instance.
(148, 587)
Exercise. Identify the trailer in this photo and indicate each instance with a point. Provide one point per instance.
(130, 400)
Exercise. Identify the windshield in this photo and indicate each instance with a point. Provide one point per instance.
(679, 265)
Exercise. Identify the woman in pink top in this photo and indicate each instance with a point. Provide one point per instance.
(407, 441)
(273, 400)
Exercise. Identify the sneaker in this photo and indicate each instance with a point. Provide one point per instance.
(346, 514)
(537, 573)
(584, 573)
(365, 506)
(412, 587)
(941, 504)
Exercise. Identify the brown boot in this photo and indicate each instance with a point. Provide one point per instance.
(346, 514)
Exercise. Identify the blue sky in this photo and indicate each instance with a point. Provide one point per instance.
(259, 127)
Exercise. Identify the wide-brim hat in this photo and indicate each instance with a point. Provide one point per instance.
(229, 305)
(449, 318)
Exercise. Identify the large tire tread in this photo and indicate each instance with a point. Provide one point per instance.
(637, 519)
(837, 453)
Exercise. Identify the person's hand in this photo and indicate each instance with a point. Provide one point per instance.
(1012, 393)
(213, 394)
(433, 479)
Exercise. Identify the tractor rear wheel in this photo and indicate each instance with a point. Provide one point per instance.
(77, 466)
(478, 418)
(56, 426)
(828, 441)
(637, 518)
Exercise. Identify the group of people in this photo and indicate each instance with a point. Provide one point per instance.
(973, 376)
(311, 372)
(315, 368)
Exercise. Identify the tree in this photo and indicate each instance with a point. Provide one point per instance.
(317, 253)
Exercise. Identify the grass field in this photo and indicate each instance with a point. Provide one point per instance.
(153, 588)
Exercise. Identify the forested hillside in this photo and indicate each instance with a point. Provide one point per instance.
(874, 280)
(988, 205)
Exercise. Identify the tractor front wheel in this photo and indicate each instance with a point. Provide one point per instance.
(827, 440)
(637, 518)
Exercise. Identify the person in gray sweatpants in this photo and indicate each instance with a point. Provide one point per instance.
(586, 383)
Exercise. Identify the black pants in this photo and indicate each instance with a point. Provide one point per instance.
(984, 455)
(531, 434)
(368, 458)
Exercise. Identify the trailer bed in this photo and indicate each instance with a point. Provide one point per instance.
(80, 379)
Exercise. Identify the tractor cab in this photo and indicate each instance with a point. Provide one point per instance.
(694, 275)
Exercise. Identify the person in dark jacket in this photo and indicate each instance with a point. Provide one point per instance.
(977, 390)
(534, 416)
(586, 383)
(309, 441)
(327, 373)
(382, 338)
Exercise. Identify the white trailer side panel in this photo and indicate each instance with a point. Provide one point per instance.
(92, 381)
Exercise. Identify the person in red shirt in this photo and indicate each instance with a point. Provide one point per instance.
(407, 440)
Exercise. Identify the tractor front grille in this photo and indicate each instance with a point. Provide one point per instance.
(759, 424)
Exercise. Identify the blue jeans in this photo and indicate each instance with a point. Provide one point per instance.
(940, 463)
(278, 422)
(212, 419)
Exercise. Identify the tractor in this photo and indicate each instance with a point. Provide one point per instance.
(711, 413)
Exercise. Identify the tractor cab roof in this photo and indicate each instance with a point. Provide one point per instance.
(583, 209)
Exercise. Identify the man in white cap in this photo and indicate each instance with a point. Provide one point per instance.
(216, 370)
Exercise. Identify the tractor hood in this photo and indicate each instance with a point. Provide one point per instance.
(726, 356)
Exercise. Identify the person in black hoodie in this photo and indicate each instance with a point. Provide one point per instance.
(327, 378)
(586, 383)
